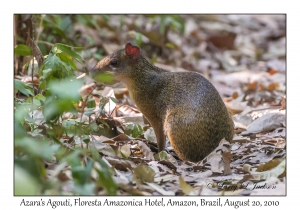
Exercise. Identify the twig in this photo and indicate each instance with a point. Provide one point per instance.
(84, 103)
(112, 112)
(15, 43)
(40, 26)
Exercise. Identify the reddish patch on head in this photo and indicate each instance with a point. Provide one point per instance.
(132, 51)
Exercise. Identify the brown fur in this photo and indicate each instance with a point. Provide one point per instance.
(184, 105)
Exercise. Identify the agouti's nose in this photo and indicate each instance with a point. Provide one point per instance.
(95, 68)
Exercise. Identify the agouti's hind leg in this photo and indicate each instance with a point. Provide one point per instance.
(175, 127)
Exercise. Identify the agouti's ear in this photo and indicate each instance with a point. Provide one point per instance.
(132, 51)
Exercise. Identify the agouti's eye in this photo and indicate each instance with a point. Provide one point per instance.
(114, 63)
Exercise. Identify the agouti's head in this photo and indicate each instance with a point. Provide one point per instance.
(120, 64)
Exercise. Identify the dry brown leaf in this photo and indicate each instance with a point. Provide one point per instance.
(196, 177)
(120, 92)
(168, 164)
(129, 111)
(240, 139)
(227, 156)
(110, 106)
(283, 103)
(274, 172)
(165, 178)
(138, 119)
(215, 157)
(86, 90)
(122, 137)
(185, 187)
(252, 86)
(223, 41)
(267, 122)
(270, 165)
(63, 177)
(272, 71)
(131, 190)
(146, 150)
(160, 189)
(273, 86)
(235, 95)
(150, 135)
(127, 163)
(105, 149)
(100, 138)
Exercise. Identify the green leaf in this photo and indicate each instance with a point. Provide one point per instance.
(39, 100)
(78, 48)
(52, 62)
(66, 49)
(81, 174)
(66, 58)
(54, 67)
(103, 122)
(34, 147)
(25, 184)
(94, 126)
(23, 87)
(113, 99)
(86, 139)
(22, 50)
(91, 103)
(105, 179)
(104, 77)
(170, 45)
(47, 73)
(134, 129)
(72, 64)
(66, 89)
(60, 97)
(86, 189)
(89, 113)
(163, 155)
(66, 23)
(19, 130)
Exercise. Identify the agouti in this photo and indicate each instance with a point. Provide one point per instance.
(182, 105)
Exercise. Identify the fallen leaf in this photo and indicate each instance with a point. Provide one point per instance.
(150, 135)
(276, 171)
(144, 173)
(185, 187)
(125, 149)
(267, 122)
(122, 137)
(146, 150)
(227, 156)
(160, 189)
(270, 165)
(283, 103)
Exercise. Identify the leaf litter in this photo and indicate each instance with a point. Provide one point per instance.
(257, 154)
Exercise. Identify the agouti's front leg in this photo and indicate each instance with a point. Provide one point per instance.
(160, 136)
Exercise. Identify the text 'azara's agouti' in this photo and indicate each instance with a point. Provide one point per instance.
(182, 105)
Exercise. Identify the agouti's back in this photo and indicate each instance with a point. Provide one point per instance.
(183, 105)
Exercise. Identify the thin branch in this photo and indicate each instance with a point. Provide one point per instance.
(40, 28)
